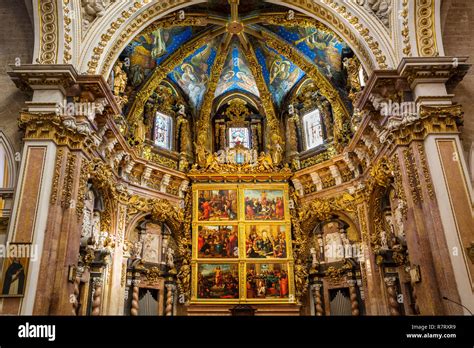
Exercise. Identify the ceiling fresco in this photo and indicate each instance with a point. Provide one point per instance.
(236, 74)
(321, 47)
(315, 43)
(146, 51)
(279, 73)
(193, 74)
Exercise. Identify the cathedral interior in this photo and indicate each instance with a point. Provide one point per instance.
(236, 157)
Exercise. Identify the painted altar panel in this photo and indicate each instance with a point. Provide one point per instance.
(237, 258)
(217, 241)
(216, 204)
(264, 204)
(266, 281)
(217, 281)
(265, 241)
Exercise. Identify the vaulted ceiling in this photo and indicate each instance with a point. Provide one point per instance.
(241, 42)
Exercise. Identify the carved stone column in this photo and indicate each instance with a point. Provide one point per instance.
(317, 298)
(116, 288)
(422, 141)
(354, 298)
(373, 291)
(394, 307)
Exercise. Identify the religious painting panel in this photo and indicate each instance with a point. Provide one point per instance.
(218, 281)
(267, 281)
(14, 274)
(217, 241)
(216, 205)
(266, 241)
(264, 204)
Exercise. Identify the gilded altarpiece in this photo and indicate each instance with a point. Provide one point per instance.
(242, 244)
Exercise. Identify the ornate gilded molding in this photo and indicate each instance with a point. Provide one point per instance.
(56, 176)
(265, 96)
(107, 36)
(413, 178)
(364, 32)
(81, 192)
(406, 28)
(322, 209)
(381, 174)
(426, 170)
(67, 20)
(53, 127)
(203, 124)
(68, 180)
(48, 23)
(172, 22)
(425, 28)
(443, 119)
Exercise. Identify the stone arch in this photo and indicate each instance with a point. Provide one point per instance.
(59, 38)
(102, 51)
(9, 167)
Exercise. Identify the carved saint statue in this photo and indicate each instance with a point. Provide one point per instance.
(170, 258)
(265, 162)
(182, 125)
(301, 276)
(140, 131)
(399, 219)
(276, 149)
(120, 79)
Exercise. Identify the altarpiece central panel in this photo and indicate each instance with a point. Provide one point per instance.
(242, 244)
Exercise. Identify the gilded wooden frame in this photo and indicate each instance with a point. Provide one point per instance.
(242, 261)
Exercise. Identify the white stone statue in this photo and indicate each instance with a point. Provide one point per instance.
(399, 218)
(170, 257)
(346, 244)
(314, 261)
(383, 240)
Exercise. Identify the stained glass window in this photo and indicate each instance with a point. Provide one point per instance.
(239, 135)
(313, 129)
(163, 126)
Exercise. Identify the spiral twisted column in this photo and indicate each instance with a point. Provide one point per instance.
(394, 308)
(135, 304)
(353, 296)
(318, 302)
